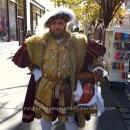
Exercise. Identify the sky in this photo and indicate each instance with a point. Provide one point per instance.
(47, 4)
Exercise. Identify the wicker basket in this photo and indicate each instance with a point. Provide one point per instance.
(88, 77)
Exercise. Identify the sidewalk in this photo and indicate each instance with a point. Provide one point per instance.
(8, 46)
(13, 90)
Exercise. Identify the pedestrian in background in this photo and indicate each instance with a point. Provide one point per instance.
(28, 34)
(91, 30)
(1, 30)
(55, 58)
(34, 32)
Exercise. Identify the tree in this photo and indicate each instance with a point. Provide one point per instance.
(89, 10)
(85, 10)
(108, 9)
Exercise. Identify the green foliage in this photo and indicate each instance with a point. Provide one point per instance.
(85, 10)
(89, 10)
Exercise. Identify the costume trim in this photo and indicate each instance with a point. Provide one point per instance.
(63, 12)
(41, 106)
(78, 43)
(27, 118)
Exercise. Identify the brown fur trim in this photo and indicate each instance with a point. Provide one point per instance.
(34, 47)
(79, 42)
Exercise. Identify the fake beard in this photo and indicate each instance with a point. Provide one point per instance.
(57, 35)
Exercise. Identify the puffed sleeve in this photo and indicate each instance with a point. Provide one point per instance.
(21, 58)
(94, 51)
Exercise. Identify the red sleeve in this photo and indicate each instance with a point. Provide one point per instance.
(94, 50)
(21, 57)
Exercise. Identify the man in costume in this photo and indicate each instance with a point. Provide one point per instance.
(54, 60)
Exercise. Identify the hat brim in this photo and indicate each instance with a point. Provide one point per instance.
(63, 13)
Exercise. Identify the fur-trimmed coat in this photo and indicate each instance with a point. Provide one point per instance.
(80, 54)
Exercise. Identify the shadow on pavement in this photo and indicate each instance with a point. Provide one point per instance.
(36, 126)
(7, 94)
(3, 104)
(58, 126)
(10, 57)
(9, 117)
(113, 99)
(109, 120)
(22, 126)
(14, 87)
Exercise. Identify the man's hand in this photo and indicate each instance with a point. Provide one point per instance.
(98, 75)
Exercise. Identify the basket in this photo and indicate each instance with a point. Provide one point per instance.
(85, 77)
(88, 77)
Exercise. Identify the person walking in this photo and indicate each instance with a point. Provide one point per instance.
(54, 59)
(28, 34)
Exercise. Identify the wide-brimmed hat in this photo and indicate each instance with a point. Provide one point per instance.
(58, 13)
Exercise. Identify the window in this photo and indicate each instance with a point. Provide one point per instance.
(12, 20)
(36, 14)
(20, 11)
(3, 21)
(20, 2)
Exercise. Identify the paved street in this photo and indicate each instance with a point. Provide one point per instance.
(13, 87)
(8, 46)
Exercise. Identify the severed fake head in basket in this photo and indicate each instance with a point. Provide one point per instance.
(87, 97)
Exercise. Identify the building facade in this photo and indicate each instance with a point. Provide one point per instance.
(18, 16)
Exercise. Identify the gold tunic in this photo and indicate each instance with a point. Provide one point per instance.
(60, 61)
(56, 60)
(56, 68)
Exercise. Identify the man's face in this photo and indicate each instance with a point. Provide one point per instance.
(58, 28)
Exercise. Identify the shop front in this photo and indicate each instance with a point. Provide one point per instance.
(18, 16)
(11, 12)
(36, 11)
(3, 21)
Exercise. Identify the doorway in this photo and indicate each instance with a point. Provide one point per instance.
(20, 30)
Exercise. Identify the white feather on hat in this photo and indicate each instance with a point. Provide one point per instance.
(43, 20)
(58, 11)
